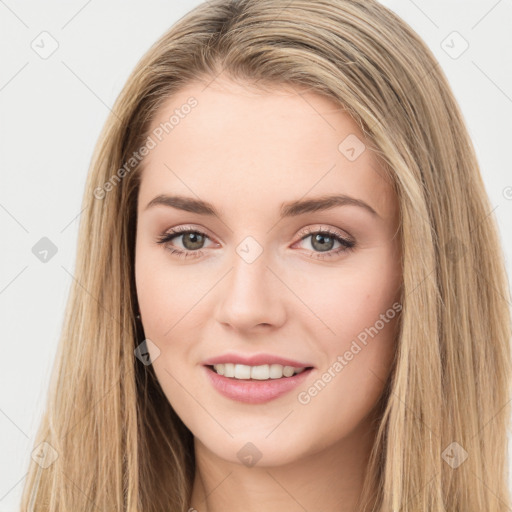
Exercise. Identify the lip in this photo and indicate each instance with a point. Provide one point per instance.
(255, 360)
(251, 391)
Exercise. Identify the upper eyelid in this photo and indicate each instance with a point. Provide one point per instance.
(308, 231)
(326, 229)
(182, 230)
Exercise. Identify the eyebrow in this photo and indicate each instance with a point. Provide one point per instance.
(288, 209)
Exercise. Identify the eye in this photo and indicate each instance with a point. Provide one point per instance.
(192, 241)
(322, 241)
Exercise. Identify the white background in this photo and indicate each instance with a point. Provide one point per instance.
(51, 114)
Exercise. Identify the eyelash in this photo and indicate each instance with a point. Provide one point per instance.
(346, 245)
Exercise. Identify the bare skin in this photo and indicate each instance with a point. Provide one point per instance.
(246, 152)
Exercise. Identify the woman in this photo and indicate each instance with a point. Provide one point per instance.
(289, 293)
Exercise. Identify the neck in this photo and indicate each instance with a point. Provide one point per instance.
(328, 480)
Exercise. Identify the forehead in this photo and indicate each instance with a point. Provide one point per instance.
(239, 142)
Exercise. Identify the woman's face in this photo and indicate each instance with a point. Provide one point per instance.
(257, 272)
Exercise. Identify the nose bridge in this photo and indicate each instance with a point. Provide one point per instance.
(250, 294)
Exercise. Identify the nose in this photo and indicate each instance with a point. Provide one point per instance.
(251, 296)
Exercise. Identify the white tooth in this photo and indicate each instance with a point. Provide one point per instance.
(242, 371)
(229, 370)
(276, 371)
(288, 371)
(260, 372)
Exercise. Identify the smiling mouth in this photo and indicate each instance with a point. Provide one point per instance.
(261, 372)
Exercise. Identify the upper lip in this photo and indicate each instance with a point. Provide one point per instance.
(255, 360)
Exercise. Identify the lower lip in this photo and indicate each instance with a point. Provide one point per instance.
(254, 391)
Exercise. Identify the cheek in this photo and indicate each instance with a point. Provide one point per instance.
(350, 383)
(173, 304)
(166, 297)
(166, 294)
(349, 301)
(361, 307)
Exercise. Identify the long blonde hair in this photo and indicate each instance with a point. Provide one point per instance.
(441, 442)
